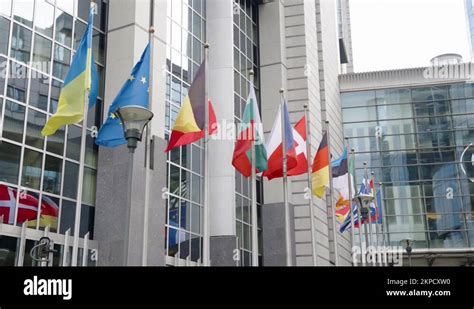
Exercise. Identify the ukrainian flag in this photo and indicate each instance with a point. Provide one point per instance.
(82, 77)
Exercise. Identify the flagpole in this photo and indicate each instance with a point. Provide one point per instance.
(374, 194)
(366, 230)
(82, 156)
(349, 182)
(369, 213)
(359, 221)
(148, 144)
(310, 185)
(382, 211)
(254, 194)
(331, 197)
(289, 260)
(206, 238)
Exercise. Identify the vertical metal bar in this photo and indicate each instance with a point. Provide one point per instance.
(382, 211)
(369, 217)
(331, 198)
(206, 232)
(289, 254)
(128, 207)
(148, 137)
(65, 261)
(254, 192)
(349, 183)
(21, 247)
(376, 204)
(85, 250)
(310, 185)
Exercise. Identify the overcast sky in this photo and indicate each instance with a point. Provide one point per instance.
(391, 34)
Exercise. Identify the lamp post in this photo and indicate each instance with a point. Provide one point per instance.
(134, 120)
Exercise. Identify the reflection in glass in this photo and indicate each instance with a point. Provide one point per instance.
(73, 142)
(8, 247)
(55, 91)
(13, 121)
(68, 213)
(9, 162)
(31, 176)
(62, 59)
(21, 43)
(35, 124)
(42, 53)
(52, 175)
(87, 221)
(39, 87)
(88, 194)
(23, 12)
(4, 34)
(71, 175)
(44, 18)
(63, 28)
(55, 142)
(49, 213)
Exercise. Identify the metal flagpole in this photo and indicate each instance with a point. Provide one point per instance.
(82, 156)
(367, 183)
(359, 220)
(289, 260)
(254, 194)
(206, 238)
(331, 198)
(374, 194)
(382, 211)
(148, 143)
(310, 185)
(349, 182)
(366, 232)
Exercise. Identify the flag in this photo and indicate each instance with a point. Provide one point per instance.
(82, 77)
(379, 207)
(27, 208)
(340, 177)
(299, 135)
(320, 171)
(275, 146)
(346, 224)
(189, 124)
(250, 129)
(133, 92)
(367, 188)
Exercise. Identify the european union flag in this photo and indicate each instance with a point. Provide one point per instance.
(133, 92)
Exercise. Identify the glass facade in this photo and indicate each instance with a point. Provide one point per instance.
(413, 139)
(470, 17)
(246, 58)
(186, 26)
(38, 176)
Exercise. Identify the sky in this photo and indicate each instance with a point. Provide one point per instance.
(394, 34)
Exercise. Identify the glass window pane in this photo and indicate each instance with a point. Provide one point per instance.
(32, 163)
(49, 213)
(67, 5)
(39, 87)
(71, 175)
(89, 184)
(185, 216)
(78, 33)
(361, 98)
(8, 246)
(42, 53)
(55, 92)
(91, 151)
(4, 34)
(389, 96)
(3, 70)
(63, 28)
(394, 111)
(173, 212)
(195, 219)
(73, 142)
(98, 42)
(9, 162)
(359, 114)
(35, 124)
(6, 7)
(55, 142)
(44, 17)
(68, 213)
(17, 82)
(87, 221)
(429, 94)
(62, 59)
(52, 175)
(21, 43)
(173, 241)
(13, 121)
(23, 11)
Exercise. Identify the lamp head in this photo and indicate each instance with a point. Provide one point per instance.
(134, 119)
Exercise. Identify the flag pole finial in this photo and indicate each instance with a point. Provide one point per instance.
(326, 122)
(305, 106)
(151, 30)
(207, 45)
(251, 73)
(365, 163)
(282, 90)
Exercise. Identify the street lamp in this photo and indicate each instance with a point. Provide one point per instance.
(134, 120)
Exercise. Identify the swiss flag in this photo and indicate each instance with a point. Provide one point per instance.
(299, 135)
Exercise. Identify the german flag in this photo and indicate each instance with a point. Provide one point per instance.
(320, 174)
(189, 125)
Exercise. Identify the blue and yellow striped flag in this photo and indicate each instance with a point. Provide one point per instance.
(82, 77)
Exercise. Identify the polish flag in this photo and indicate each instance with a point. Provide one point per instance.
(275, 146)
(299, 134)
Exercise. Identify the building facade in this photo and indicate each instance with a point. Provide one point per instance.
(298, 45)
(469, 6)
(414, 129)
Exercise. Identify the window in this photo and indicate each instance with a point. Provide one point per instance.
(13, 121)
(63, 28)
(9, 162)
(44, 17)
(23, 12)
(52, 175)
(39, 87)
(62, 59)
(21, 43)
(35, 124)
(32, 167)
(4, 34)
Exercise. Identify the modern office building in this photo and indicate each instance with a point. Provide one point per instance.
(298, 45)
(469, 6)
(413, 127)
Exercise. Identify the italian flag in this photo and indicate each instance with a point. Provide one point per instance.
(250, 131)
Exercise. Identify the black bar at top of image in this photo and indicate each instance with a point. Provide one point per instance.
(336, 286)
